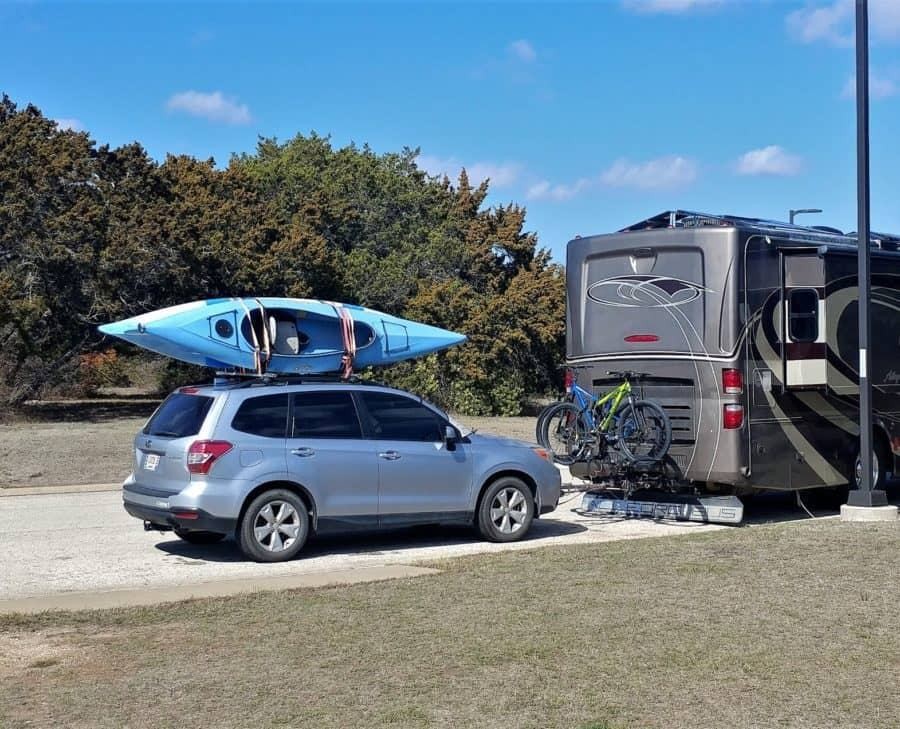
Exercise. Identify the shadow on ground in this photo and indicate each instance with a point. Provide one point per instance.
(367, 543)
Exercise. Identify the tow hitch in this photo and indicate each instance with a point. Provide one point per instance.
(149, 526)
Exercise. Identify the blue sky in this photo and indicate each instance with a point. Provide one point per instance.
(592, 115)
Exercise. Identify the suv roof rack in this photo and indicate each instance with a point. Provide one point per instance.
(237, 380)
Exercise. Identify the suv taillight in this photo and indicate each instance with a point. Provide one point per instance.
(203, 453)
(732, 382)
(569, 380)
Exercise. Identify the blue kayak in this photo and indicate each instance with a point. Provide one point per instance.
(278, 335)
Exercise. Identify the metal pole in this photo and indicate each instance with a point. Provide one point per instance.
(794, 213)
(864, 495)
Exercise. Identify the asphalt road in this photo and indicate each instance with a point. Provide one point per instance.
(70, 544)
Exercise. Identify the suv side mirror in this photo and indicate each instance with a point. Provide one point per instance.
(451, 437)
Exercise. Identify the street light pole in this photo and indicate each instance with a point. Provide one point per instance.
(864, 495)
(794, 213)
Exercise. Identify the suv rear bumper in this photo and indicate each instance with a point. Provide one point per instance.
(205, 522)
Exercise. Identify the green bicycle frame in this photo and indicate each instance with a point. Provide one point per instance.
(617, 395)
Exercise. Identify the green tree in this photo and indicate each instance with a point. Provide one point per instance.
(91, 234)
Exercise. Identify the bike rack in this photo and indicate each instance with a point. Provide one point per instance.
(662, 506)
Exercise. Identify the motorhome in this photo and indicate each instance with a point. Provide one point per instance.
(748, 332)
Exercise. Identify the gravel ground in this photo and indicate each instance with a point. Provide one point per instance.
(86, 542)
(57, 450)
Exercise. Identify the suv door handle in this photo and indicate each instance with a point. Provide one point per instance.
(303, 452)
(389, 455)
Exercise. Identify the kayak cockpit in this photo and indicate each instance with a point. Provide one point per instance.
(292, 333)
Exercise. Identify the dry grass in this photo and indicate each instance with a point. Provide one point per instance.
(789, 625)
(63, 452)
(90, 441)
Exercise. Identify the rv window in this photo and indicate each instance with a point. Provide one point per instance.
(803, 309)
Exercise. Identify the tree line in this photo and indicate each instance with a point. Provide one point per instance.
(91, 234)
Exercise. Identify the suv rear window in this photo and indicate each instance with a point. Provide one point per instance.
(179, 416)
(265, 416)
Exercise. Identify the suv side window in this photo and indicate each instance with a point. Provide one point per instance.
(266, 416)
(325, 414)
(394, 417)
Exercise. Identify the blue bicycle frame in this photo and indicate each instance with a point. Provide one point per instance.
(585, 401)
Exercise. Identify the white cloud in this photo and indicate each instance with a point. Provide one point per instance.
(544, 190)
(214, 106)
(523, 50)
(500, 174)
(667, 172)
(69, 125)
(771, 160)
(879, 87)
(834, 22)
(826, 23)
(668, 6)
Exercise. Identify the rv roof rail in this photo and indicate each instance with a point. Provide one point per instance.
(691, 219)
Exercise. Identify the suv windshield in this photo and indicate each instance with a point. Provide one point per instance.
(179, 416)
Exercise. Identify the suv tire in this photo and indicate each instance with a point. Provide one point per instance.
(274, 527)
(199, 537)
(506, 510)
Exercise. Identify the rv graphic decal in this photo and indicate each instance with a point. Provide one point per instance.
(644, 291)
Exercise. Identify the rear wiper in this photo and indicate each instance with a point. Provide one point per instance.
(166, 433)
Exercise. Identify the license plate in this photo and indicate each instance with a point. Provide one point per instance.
(151, 462)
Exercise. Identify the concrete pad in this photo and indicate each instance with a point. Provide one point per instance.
(868, 513)
(221, 588)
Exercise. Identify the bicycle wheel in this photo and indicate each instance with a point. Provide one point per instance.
(563, 432)
(542, 416)
(644, 431)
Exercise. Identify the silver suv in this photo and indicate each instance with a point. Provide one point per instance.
(272, 462)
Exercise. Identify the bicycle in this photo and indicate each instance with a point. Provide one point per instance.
(573, 393)
(640, 429)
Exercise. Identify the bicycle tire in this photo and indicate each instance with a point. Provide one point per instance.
(650, 444)
(540, 420)
(563, 433)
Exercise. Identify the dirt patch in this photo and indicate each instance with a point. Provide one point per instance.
(21, 652)
(518, 428)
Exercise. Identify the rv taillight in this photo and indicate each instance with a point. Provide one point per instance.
(733, 417)
(632, 338)
(569, 380)
(203, 453)
(732, 382)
